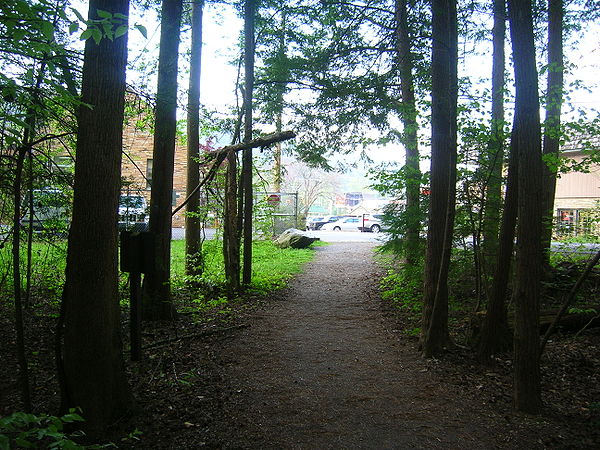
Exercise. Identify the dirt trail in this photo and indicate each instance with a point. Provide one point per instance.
(321, 367)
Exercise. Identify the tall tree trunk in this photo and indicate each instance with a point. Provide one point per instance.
(249, 13)
(231, 247)
(93, 362)
(494, 157)
(435, 337)
(18, 297)
(552, 133)
(279, 91)
(527, 134)
(408, 115)
(157, 303)
(495, 334)
(25, 150)
(193, 254)
(277, 175)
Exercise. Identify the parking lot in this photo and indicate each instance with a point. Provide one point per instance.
(347, 236)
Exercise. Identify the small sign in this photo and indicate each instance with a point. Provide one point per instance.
(274, 199)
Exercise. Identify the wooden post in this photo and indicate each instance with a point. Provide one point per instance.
(136, 258)
(135, 315)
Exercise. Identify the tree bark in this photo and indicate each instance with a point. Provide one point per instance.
(193, 254)
(277, 175)
(408, 115)
(23, 377)
(157, 303)
(552, 133)
(279, 89)
(527, 135)
(495, 333)
(249, 16)
(435, 337)
(231, 247)
(493, 159)
(93, 364)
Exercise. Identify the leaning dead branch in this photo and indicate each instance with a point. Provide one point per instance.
(218, 156)
(569, 299)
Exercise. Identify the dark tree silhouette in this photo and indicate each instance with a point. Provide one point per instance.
(157, 290)
(435, 336)
(94, 377)
(554, 99)
(193, 261)
(493, 159)
(408, 115)
(246, 183)
(527, 144)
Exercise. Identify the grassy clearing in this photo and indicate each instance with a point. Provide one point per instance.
(272, 268)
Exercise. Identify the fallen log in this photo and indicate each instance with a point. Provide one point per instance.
(574, 322)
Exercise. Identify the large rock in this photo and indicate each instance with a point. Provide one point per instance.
(294, 238)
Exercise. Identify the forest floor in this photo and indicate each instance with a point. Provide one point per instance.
(324, 363)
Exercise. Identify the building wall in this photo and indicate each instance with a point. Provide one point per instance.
(137, 145)
(576, 190)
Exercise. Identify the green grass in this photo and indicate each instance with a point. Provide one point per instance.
(271, 267)
(47, 267)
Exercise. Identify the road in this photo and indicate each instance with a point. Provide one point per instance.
(357, 236)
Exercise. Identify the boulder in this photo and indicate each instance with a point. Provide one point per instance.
(294, 238)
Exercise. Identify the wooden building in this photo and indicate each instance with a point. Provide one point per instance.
(577, 192)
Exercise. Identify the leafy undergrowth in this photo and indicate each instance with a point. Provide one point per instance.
(570, 364)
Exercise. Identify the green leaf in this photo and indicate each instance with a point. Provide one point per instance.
(121, 31)
(68, 418)
(120, 16)
(47, 30)
(24, 443)
(86, 34)
(19, 35)
(73, 27)
(96, 35)
(107, 30)
(104, 14)
(142, 30)
(78, 14)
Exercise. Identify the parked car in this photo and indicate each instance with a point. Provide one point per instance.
(317, 222)
(342, 224)
(133, 213)
(371, 223)
(312, 221)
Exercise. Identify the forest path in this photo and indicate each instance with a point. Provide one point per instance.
(319, 368)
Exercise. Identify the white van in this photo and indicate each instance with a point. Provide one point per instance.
(133, 213)
(51, 211)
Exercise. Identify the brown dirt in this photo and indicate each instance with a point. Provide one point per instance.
(324, 364)
(323, 368)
